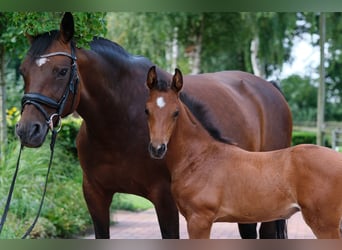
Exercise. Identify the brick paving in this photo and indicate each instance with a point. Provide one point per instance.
(144, 225)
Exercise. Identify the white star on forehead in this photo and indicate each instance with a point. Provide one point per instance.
(41, 61)
(160, 102)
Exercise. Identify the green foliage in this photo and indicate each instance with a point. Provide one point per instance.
(333, 55)
(275, 31)
(17, 24)
(301, 95)
(225, 37)
(130, 202)
(142, 33)
(303, 137)
(64, 212)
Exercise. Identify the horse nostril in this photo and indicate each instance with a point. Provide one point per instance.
(35, 129)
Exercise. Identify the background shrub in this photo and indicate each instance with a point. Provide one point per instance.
(64, 212)
(300, 137)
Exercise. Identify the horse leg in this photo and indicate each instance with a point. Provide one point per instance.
(98, 203)
(248, 231)
(167, 213)
(199, 227)
(273, 230)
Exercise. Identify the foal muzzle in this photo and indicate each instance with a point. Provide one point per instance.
(157, 152)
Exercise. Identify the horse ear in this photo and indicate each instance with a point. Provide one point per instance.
(151, 77)
(67, 27)
(177, 80)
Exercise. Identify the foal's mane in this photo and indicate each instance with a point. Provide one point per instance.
(199, 110)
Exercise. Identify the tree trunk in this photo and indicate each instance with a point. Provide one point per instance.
(258, 68)
(172, 52)
(321, 89)
(195, 56)
(3, 126)
(174, 56)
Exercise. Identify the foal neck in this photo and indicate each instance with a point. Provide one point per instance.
(189, 136)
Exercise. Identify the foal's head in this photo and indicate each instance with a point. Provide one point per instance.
(162, 110)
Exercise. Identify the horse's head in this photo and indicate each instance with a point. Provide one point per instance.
(162, 109)
(51, 82)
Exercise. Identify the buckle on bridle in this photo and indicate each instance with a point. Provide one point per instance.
(50, 122)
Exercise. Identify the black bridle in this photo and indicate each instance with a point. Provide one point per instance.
(38, 100)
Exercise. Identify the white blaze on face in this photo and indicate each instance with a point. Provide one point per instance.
(160, 102)
(41, 61)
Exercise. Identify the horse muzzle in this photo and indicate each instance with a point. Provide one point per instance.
(31, 134)
(157, 152)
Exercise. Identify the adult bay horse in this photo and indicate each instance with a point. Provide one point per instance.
(106, 86)
(213, 181)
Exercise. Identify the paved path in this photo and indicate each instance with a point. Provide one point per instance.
(144, 225)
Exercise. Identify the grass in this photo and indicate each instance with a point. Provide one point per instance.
(130, 202)
(64, 212)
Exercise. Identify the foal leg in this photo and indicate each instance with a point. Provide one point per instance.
(199, 227)
(98, 205)
(324, 226)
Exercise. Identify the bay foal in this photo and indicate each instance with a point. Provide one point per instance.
(214, 181)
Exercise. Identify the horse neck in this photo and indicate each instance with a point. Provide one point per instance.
(109, 91)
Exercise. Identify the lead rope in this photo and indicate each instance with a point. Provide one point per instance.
(9, 197)
(3, 218)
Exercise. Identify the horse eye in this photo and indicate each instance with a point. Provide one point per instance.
(175, 114)
(147, 112)
(63, 72)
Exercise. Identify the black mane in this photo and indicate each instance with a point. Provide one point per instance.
(42, 42)
(161, 85)
(114, 53)
(107, 48)
(201, 113)
(104, 47)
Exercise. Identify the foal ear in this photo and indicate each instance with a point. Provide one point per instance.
(177, 80)
(67, 27)
(151, 77)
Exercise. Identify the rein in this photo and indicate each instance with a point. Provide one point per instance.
(38, 100)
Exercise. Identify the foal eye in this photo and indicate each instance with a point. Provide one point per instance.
(175, 114)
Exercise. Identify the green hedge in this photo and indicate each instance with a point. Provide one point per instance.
(301, 137)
